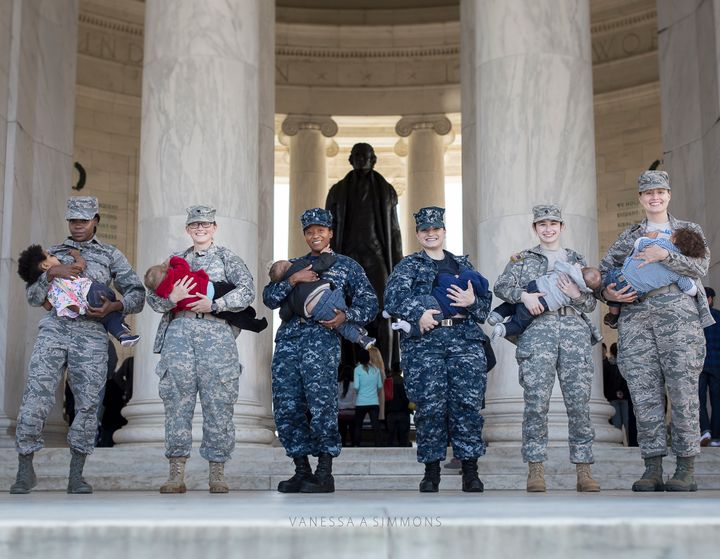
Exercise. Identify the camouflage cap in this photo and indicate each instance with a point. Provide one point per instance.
(316, 216)
(429, 217)
(82, 207)
(547, 211)
(199, 214)
(653, 179)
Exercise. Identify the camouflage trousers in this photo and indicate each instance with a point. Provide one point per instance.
(661, 347)
(555, 344)
(81, 345)
(199, 357)
(446, 375)
(304, 379)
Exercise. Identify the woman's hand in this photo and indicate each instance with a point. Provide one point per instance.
(653, 253)
(203, 304)
(624, 295)
(65, 271)
(568, 286)
(303, 276)
(427, 321)
(181, 289)
(461, 297)
(333, 323)
(532, 302)
(106, 308)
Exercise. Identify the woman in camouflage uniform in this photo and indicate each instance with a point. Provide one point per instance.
(661, 343)
(199, 355)
(557, 342)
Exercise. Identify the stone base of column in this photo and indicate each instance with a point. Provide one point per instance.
(54, 433)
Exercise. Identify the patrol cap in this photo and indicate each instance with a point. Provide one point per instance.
(430, 217)
(316, 216)
(82, 207)
(547, 211)
(199, 214)
(653, 179)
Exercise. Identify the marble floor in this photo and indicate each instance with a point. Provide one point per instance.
(365, 524)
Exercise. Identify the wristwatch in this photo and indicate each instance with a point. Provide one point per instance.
(214, 307)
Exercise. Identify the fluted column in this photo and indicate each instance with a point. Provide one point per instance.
(38, 42)
(309, 147)
(207, 137)
(427, 138)
(528, 138)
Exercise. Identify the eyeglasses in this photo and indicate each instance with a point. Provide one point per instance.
(203, 224)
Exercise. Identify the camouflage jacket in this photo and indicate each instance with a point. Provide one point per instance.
(529, 265)
(409, 287)
(695, 268)
(345, 274)
(221, 264)
(105, 264)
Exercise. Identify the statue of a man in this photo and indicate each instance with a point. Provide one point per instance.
(366, 228)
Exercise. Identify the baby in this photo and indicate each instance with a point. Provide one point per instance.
(317, 299)
(444, 303)
(586, 278)
(646, 278)
(161, 279)
(71, 297)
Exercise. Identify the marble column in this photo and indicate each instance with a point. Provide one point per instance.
(427, 137)
(308, 147)
(206, 137)
(689, 48)
(38, 41)
(528, 138)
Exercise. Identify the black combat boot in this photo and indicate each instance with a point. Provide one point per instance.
(470, 481)
(26, 479)
(76, 483)
(652, 479)
(323, 480)
(431, 481)
(302, 472)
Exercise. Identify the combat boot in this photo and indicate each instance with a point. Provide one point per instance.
(585, 481)
(302, 472)
(470, 481)
(217, 478)
(652, 479)
(76, 483)
(536, 477)
(684, 477)
(323, 480)
(26, 478)
(431, 481)
(176, 481)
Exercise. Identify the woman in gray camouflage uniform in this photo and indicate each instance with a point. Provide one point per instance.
(557, 342)
(661, 343)
(199, 355)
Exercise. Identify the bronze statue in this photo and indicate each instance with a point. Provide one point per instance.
(366, 228)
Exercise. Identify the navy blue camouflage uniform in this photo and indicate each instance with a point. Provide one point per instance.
(445, 369)
(305, 363)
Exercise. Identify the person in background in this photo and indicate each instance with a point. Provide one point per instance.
(710, 379)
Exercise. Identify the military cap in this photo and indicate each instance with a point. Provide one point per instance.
(431, 217)
(200, 214)
(82, 207)
(547, 211)
(316, 216)
(653, 179)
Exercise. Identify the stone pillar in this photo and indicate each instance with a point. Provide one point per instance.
(425, 166)
(308, 147)
(38, 41)
(689, 47)
(207, 137)
(528, 138)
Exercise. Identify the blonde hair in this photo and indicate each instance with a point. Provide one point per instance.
(376, 359)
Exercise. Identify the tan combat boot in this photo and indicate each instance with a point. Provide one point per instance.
(175, 482)
(217, 478)
(536, 477)
(585, 481)
(684, 477)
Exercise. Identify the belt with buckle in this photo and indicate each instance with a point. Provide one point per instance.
(672, 288)
(565, 311)
(199, 315)
(452, 321)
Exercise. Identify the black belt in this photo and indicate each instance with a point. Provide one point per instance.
(451, 321)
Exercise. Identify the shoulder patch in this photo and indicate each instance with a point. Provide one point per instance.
(517, 257)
